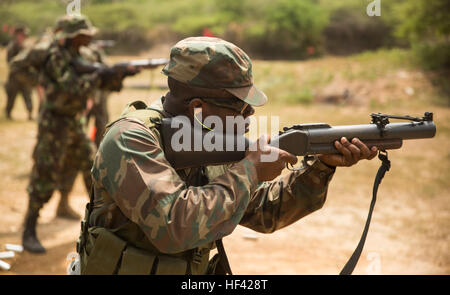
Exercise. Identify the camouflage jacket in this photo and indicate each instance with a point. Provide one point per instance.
(93, 53)
(12, 50)
(184, 209)
(66, 90)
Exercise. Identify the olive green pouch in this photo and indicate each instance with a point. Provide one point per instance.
(169, 265)
(106, 252)
(136, 262)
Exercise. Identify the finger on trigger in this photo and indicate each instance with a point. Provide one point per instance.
(288, 157)
(263, 143)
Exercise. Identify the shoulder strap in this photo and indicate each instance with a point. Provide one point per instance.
(139, 110)
(351, 263)
(223, 265)
(138, 105)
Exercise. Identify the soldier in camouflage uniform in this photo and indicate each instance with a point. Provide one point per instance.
(29, 62)
(72, 165)
(17, 81)
(60, 132)
(145, 217)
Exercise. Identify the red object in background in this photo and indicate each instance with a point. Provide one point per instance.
(5, 28)
(310, 50)
(93, 132)
(207, 33)
(11, 30)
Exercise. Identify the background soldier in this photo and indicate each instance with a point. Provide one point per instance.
(60, 132)
(18, 81)
(29, 62)
(72, 167)
(146, 217)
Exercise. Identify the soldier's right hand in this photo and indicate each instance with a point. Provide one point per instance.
(269, 161)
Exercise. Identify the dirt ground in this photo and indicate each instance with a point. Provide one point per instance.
(410, 231)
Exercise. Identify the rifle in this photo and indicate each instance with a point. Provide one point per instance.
(299, 140)
(150, 63)
(127, 68)
(104, 43)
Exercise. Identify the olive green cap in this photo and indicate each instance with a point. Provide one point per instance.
(214, 63)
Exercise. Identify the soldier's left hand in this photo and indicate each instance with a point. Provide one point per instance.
(350, 153)
(132, 70)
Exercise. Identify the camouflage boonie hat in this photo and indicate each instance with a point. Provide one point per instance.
(208, 62)
(69, 26)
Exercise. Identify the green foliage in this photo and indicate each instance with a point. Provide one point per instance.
(427, 26)
(116, 16)
(282, 29)
(24, 12)
(433, 56)
(304, 96)
(232, 10)
(424, 19)
(350, 31)
(297, 23)
(193, 25)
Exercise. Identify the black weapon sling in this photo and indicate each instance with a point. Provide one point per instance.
(351, 263)
(223, 262)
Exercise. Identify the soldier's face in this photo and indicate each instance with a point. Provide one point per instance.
(21, 37)
(81, 40)
(210, 109)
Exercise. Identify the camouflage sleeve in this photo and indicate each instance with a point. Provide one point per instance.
(131, 167)
(112, 82)
(21, 61)
(11, 51)
(279, 203)
(62, 74)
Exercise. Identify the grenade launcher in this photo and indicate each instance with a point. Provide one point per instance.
(300, 140)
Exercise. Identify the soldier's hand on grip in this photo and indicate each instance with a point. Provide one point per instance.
(269, 161)
(351, 153)
(126, 70)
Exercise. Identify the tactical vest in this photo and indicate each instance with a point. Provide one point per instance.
(126, 250)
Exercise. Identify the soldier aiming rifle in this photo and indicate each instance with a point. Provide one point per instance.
(61, 139)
